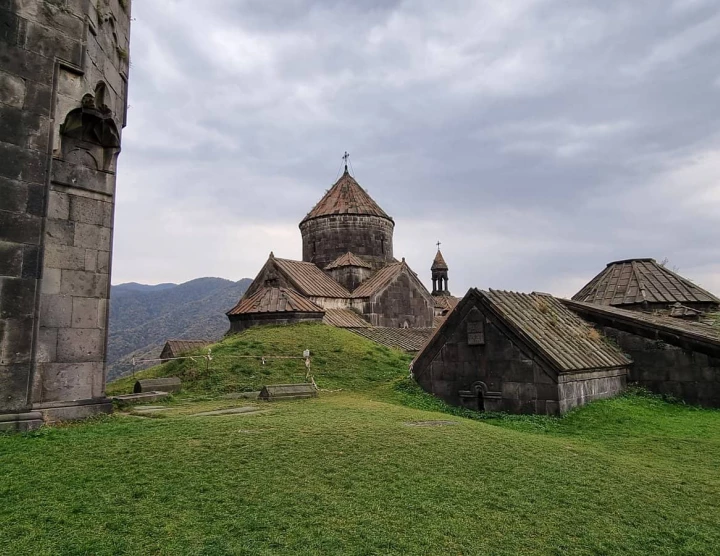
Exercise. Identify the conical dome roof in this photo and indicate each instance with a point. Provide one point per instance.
(439, 263)
(346, 197)
(634, 281)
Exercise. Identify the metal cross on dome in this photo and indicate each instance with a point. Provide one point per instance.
(438, 245)
(345, 158)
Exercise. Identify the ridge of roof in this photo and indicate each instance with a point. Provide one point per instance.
(275, 300)
(348, 259)
(346, 196)
(641, 260)
(633, 281)
(176, 340)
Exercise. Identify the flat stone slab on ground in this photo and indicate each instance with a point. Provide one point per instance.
(144, 397)
(232, 411)
(430, 423)
(241, 395)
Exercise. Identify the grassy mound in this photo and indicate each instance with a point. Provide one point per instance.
(339, 360)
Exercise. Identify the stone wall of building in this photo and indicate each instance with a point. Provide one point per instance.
(670, 370)
(324, 239)
(576, 389)
(402, 304)
(268, 276)
(238, 323)
(350, 277)
(496, 375)
(63, 95)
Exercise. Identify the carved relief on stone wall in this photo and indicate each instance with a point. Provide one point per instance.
(89, 135)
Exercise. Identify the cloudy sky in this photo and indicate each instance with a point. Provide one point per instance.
(536, 139)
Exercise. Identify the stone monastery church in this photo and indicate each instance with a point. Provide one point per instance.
(348, 276)
(494, 350)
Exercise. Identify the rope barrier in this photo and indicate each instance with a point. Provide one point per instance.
(209, 357)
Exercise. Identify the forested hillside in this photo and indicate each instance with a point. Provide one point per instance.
(143, 317)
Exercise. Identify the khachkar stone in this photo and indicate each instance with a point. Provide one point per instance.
(63, 98)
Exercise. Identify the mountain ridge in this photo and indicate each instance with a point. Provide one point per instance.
(143, 318)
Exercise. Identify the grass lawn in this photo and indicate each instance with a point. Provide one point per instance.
(350, 473)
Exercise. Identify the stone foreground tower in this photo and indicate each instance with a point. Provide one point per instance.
(63, 98)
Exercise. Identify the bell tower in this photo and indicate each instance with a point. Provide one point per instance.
(439, 271)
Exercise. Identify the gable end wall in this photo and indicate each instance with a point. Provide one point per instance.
(402, 301)
(514, 381)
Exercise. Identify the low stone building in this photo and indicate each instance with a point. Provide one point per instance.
(671, 356)
(520, 353)
(347, 265)
(645, 285)
(272, 305)
(175, 348)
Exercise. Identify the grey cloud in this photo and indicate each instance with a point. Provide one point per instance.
(537, 139)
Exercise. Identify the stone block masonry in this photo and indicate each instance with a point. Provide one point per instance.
(63, 97)
(368, 237)
(683, 373)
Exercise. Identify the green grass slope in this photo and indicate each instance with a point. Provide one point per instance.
(348, 474)
(339, 360)
(363, 469)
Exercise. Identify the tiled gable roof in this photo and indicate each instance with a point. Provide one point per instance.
(445, 302)
(563, 337)
(344, 318)
(310, 280)
(378, 281)
(348, 259)
(558, 336)
(275, 300)
(673, 327)
(641, 280)
(178, 347)
(439, 262)
(408, 339)
(346, 197)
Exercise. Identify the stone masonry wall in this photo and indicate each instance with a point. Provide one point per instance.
(350, 277)
(498, 372)
(576, 389)
(400, 303)
(666, 369)
(63, 94)
(369, 237)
